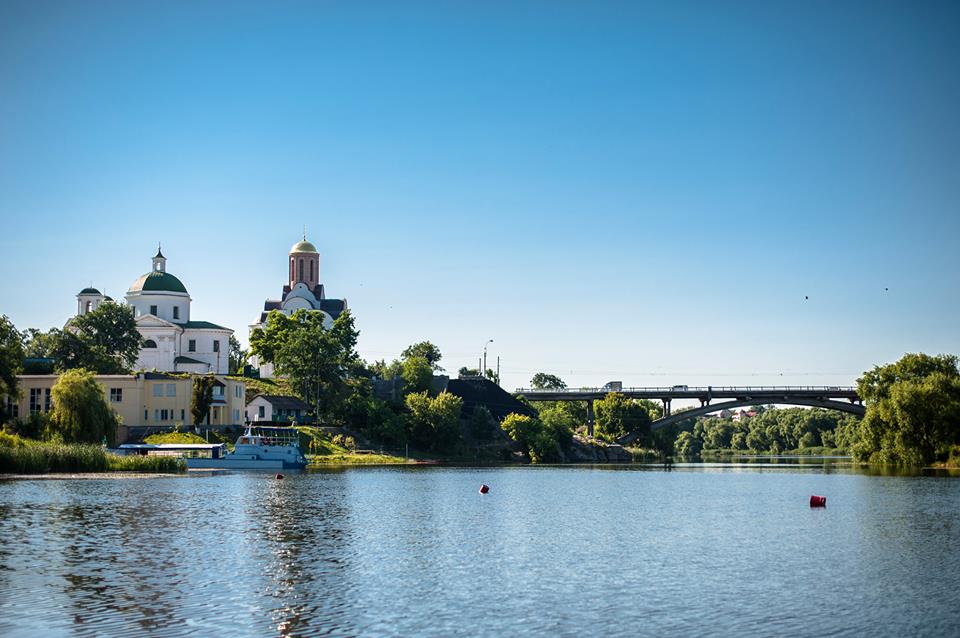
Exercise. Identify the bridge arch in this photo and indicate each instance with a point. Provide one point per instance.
(851, 408)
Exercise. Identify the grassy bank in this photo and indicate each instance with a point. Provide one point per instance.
(806, 451)
(30, 457)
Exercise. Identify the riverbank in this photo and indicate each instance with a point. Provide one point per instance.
(25, 456)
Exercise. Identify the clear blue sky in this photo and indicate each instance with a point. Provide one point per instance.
(634, 191)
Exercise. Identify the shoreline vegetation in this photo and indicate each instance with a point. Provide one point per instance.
(24, 456)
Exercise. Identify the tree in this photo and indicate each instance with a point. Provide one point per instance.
(317, 361)
(537, 441)
(913, 410)
(38, 344)
(434, 423)
(426, 350)
(417, 375)
(80, 411)
(544, 381)
(11, 359)
(469, 372)
(386, 371)
(201, 399)
(617, 415)
(482, 423)
(687, 445)
(105, 340)
(237, 358)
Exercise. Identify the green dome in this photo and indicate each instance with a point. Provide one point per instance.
(89, 291)
(157, 281)
(304, 247)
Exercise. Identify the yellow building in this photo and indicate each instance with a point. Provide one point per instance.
(148, 399)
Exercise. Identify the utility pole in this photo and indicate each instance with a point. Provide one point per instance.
(483, 371)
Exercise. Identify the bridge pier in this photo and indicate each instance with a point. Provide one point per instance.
(666, 406)
(590, 417)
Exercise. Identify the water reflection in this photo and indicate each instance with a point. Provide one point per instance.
(725, 548)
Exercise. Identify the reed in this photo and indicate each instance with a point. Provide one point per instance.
(45, 458)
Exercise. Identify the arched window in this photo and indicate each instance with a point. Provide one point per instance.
(291, 269)
(311, 270)
(149, 343)
(300, 278)
(89, 306)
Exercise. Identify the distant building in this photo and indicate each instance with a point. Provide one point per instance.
(148, 399)
(303, 291)
(272, 408)
(173, 342)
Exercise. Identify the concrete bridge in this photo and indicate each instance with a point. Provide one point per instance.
(844, 399)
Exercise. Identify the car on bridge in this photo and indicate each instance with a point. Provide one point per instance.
(613, 386)
(680, 388)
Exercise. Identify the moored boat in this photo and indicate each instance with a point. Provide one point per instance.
(259, 448)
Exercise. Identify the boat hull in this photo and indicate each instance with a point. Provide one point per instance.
(243, 464)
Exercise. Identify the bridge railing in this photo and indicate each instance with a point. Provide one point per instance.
(693, 389)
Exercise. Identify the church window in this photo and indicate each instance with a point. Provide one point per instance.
(149, 343)
(171, 389)
(216, 346)
(153, 310)
(89, 306)
(116, 395)
(146, 415)
(176, 312)
(311, 270)
(158, 389)
(192, 345)
(300, 278)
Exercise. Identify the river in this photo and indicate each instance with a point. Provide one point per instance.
(719, 549)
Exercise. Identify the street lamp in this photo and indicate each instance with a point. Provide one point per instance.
(483, 373)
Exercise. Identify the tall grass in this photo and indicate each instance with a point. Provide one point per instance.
(46, 458)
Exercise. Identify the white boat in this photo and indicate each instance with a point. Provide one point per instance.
(259, 448)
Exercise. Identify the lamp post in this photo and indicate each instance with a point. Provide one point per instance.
(483, 373)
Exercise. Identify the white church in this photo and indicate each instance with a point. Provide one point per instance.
(303, 291)
(173, 342)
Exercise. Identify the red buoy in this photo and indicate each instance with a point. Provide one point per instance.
(484, 489)
(279, 476)
(818, 501)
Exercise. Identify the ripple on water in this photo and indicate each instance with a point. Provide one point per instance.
(559, 551)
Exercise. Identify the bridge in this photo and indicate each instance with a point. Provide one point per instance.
(844, 399)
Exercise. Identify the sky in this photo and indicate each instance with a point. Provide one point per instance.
(657, 193)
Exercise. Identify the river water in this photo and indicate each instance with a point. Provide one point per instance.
(568, 551)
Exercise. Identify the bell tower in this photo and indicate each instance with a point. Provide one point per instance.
(159, 261)
(304, 264)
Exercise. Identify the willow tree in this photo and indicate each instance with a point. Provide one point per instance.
(80, 413)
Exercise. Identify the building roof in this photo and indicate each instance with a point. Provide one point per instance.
(158, 282)
(202, 325)
(282, 402)
(182, 359)
(89, 291)
(333, 307)
(303, 247)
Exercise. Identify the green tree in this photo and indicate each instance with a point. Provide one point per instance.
(434, 422)
(544, 381)
(105, 340)
(417, 375)
(11, 360)
(913, 410)
(617, 415)
(316, 361)
(80, 411)
(536, 440)
(38, 344)
(482, 424)
(386, 371)
(201, 398)
(687, 445)
(237, 358)
(425, 350)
